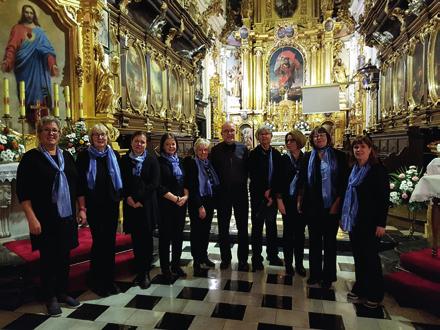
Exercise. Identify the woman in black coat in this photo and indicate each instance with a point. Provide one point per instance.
(322, 185)
(364, 215)
(201, 180)
(100, 178)
(45, 174)
(172, 205)
(141, 176)
(287, 191)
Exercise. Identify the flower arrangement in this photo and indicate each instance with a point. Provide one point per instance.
(74, 138)
(11, 149)
(402, 185)
(302, 126)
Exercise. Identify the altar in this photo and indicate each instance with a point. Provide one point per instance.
(13, 223)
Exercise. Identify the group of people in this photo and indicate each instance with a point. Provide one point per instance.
(313, 189)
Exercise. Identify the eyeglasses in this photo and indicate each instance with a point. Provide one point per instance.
(99, 135)
(50, 130)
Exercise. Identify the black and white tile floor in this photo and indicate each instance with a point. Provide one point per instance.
(226, 300)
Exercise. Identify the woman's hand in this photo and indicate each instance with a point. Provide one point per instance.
(182, 200)
(202, 212)
(299, 203)
(34, 226)
(281, 206)
(380, 231)
(82, 217)
(335, 206)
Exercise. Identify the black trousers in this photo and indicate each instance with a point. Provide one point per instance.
(368, 268)
(171, 233)
(142, 240)
(261, 215)
(54, 262)
(200, 230)
(294, 225)
(103, 222)
(322, 235)
(238, 200)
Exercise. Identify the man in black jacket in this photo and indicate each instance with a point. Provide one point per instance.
(229, 159)
(262, 164)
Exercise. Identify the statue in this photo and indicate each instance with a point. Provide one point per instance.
(235, 76)
(104, 93)
(339, 73)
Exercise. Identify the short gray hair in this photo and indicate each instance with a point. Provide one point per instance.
(263, 128)
(201, 142)
(99, 128)
(48, 120)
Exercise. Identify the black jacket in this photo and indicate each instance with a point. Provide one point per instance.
(284, 176)
(168, 182)
(258, 165)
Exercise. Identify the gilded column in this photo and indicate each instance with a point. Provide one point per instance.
(258, 79)
(247, 76)
(327, 61)
(314, 65)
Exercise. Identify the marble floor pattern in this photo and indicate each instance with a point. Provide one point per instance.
(225, 299)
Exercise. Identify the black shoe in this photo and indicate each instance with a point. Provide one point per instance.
(290, 270)
(167, 276)
(113, 289)
(208, 263)
(353, 297)
(301, 271)
(225, 264)
(68, 301)
(53, 308)
(371, 304)
(143, 281)
(243, 267)
(326, 284)
(102, 292)
(276, 262)
(257, 266)
(178, 271)
(312, 281)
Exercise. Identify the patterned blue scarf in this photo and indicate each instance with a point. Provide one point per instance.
(292, 186)
(328, 173)
(60, 187)
(207, 177)
(351, 203)
(138, 161)
(174, 161)
(112, 166)
(269, 178)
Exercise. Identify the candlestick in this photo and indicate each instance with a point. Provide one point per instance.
(56, 108)
(21, 88)
(67, 99)
(81, 110)
(6, 96)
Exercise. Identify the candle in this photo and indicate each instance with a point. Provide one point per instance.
(21, 89)
(56, 108)
(67, 99)
(81, 110)
(6, 96)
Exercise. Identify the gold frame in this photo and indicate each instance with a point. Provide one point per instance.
(383, 110)
(137, 48)
(399, 69)
(159, 110)
(413, 103)
(433, 86)
(175, 112)
(389, 105)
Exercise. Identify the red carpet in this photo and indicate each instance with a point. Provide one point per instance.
(422, 263)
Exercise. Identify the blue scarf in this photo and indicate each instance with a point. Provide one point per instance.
(328, 173)
(292, 186)
(112, 166)
(138, 161)
(60, 187)
(207, 177)
(351, 203)
(269, 178)
(174, 161)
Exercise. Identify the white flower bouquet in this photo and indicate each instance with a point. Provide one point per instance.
(402, 185)
(11, 149)
(75, 138)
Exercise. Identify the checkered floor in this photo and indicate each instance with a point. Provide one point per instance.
(226, 300)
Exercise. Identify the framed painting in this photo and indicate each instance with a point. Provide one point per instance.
(383, 111)
(434, 66)
(135, 78)
(399, 85)
(286, 74)
(285, 8)
(156, 87)
(187, 99)
(389, 91)
(175, 94)
(416, 76)
(103, 34)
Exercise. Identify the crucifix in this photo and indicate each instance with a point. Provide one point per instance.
(36, 115)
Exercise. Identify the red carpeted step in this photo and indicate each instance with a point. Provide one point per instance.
(411, 290)
(422, 263)
(82, 253)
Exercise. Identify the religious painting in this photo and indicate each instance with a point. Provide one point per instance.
(175, 94)
(383, 112)
(33, 50)
(399, 84)
(285, 8)
(417, 76)
(187, 104)
(135, 78)
(389, 91)
(286, 72)
(103, 34)
(156, 87)
(434, 65)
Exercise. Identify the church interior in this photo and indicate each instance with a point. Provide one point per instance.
(355, 67)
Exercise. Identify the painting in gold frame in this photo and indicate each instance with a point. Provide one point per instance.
(187, 101)
(434, 66)
(416, 76)
(399, 84)
(175, 94)
(156, 87)
(383, 111)
(389, 91)
(135, 78)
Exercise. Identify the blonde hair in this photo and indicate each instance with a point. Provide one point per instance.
(201, 142)
(298, 136)
(99, 128)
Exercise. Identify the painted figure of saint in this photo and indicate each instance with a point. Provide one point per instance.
(30, 54)
(285, 67)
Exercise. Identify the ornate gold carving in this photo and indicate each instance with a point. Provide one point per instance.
(79, 70)
(214, 9)
(170, 37)
(268, 8)
(104, 91)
